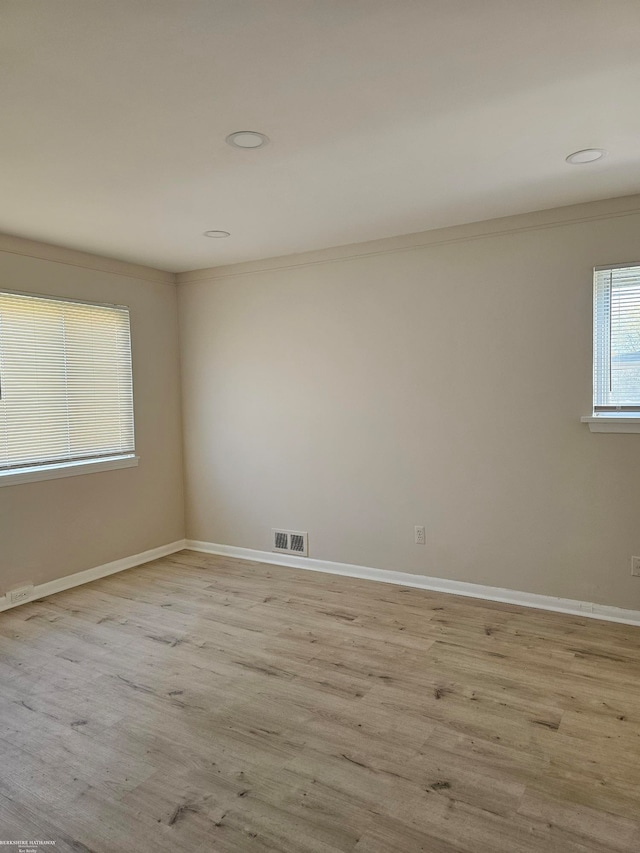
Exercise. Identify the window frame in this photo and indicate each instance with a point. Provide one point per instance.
(37, 471)
(616, 419)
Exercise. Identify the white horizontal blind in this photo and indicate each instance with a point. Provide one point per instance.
(66, 390)
(616, 339)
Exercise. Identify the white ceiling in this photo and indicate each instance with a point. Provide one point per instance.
(386, 117)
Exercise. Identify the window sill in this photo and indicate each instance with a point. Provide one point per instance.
(612, 423)
(33, 473)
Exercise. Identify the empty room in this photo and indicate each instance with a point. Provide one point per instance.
(320, 426)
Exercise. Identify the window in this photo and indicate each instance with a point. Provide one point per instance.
(66, 390)
(616, 347)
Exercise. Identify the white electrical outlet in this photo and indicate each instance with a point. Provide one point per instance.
(635, 567)
(22, 593)
(420, 538)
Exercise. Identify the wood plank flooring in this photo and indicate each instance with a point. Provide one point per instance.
(201, 703)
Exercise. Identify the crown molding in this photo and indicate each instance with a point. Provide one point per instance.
(72, 257)
(541, 219)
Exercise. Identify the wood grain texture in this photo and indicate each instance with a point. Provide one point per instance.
(202, 703)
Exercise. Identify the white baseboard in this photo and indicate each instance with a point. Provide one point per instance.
(88, 575)
(570, 606)
(471, 590)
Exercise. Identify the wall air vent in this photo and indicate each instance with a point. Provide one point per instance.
(290, 542)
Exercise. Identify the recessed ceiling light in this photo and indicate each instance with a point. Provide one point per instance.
(217, 234)
(247, 139)
(587, 155)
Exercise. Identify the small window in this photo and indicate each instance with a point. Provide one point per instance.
(66, 390)
(616, 340)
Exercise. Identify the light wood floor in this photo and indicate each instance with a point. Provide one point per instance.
(207, 704)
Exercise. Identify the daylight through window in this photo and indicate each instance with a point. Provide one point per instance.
(616, 339)
(66, 390)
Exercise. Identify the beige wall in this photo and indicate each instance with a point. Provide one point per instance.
(56, 527)
(440, 385)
